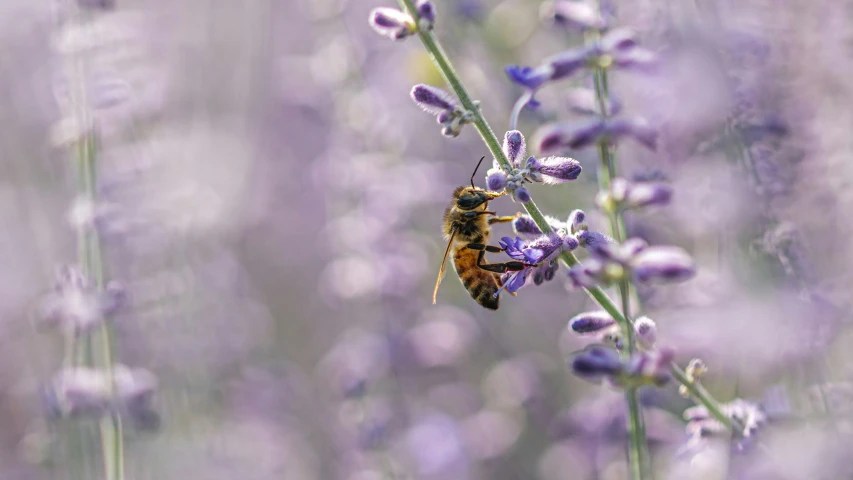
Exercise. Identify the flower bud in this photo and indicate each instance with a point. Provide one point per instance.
(522, 195)
(559, 169)
(433, 100)
(495, 179)
(648, 194)
(646, 331)
(552, 138)
(392, 23)
(591, 322)
(662, 264)
(524, 225)
(596, 362)
(576, 219)
(426, 14)
(514, 147)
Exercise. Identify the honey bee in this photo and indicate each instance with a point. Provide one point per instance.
(466, 229)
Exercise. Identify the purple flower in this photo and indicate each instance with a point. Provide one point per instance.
(576, 219)
(662, 264)
(426, 14)
(646, 331)
(581, 135)
(559, 66)
(597, 362)
(433, 100)
(590, 240)
(651, 367)
(392, 23)
(513, 247)
(495, 179)
(591, 322)
(559, 169)
(514, 147)
(624, 194)
(577, 15)
(513, 281)
(542, 247)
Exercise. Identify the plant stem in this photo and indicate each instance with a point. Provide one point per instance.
(441, 61)
(91, 264)
(638, 456)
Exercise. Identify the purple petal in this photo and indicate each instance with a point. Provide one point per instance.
(617, 39)
(567, 63)
(522, 195)
(542, 247)
(646, 331)
(576, 218)
(426, 11)
(593, 240)
(530, 78)
(392, 23)
(597, 362)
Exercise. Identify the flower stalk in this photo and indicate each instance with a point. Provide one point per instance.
(448, 73)
(91, 265)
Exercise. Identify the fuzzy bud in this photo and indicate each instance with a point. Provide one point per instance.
(591, 322)
(559, 169)
(576, 219)
(521, 194)
(433, 100)
(524, 225)
(495, 179)
(514, 147)
(392, 23)
(648, 194)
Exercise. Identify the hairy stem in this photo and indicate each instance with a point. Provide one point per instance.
(441, 61)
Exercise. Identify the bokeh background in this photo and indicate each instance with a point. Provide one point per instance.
(275, 204)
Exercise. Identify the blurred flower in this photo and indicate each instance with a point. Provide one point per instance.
(392, 23)
(426, 14)
(76, 306)
(591, 322)
(611, 262)
(585, 102)
(701, 423)
(617, 48)
(83, 391)
(576, 136)
(642, 368)
(624, 195)
(646, 331)
(574, 14)
(444, 106)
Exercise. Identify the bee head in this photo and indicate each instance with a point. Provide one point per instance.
(470, 198)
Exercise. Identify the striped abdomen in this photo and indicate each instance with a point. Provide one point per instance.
(481, 284)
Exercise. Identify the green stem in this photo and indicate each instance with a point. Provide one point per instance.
(91, 264)
(441, 61)
(638, 455)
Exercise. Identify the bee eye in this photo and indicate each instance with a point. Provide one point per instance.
(469, 202)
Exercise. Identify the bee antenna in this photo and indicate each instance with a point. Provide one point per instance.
(475, 170)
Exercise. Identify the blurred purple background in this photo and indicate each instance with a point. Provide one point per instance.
(276, 205)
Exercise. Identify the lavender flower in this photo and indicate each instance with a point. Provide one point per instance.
(524, 225)
(444, 106)
(392, 23)
(700, 422)
(542, 250)
(625, 195)
(82, 391)
(76, 306)
(426, 15)
(591, 322)
(551, 170)
(612, 262)
(584, 101)
(574, 14)
(646, 331)
(642, 368)
(576, 136)
(617, 48)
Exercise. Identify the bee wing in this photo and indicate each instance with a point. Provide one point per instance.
(442, 269)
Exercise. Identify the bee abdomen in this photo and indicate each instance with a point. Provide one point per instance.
(481, 285)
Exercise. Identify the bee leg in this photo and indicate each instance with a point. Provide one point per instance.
(505, 219)
(512, 266)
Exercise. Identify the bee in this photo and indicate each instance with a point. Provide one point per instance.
(466, 229)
